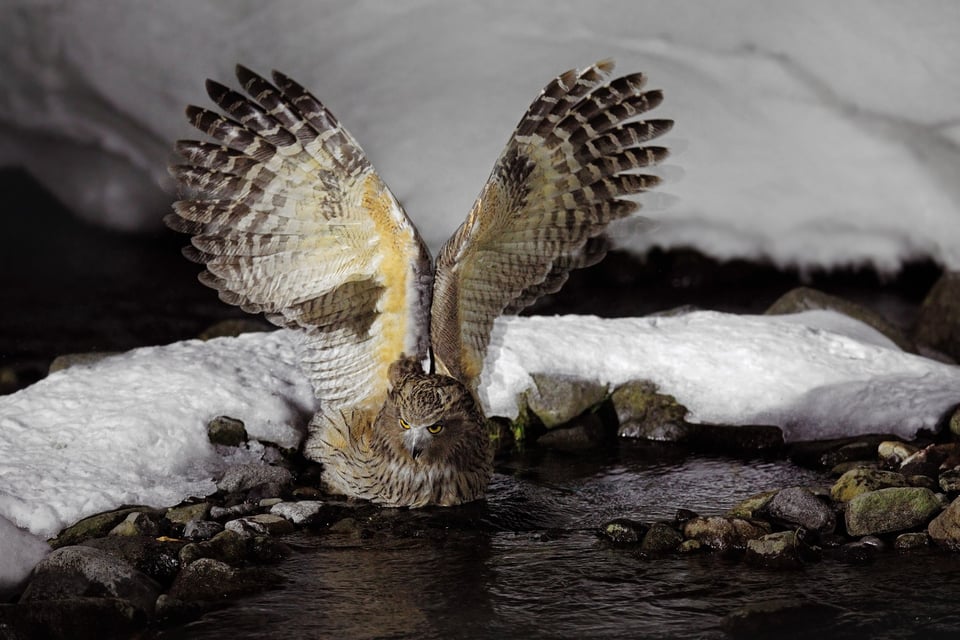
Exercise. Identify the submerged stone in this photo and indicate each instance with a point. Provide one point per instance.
(661, 538)
(890, 510)
(774, 618)
(861, 480)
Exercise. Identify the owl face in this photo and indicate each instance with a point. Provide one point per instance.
(433, 414)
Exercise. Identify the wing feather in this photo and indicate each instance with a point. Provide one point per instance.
(290, 220)
(567, 172)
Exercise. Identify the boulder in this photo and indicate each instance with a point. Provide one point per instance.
(798, 507)
(861, 480)
(890, 510)
(557, 399)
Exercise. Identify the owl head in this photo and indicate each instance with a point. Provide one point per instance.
(433, 416)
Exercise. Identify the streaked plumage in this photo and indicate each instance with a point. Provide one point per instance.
(291, 220)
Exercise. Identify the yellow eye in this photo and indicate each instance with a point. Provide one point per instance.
(435, 428)
(404, 423)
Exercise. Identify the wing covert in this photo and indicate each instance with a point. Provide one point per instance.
(566, 173)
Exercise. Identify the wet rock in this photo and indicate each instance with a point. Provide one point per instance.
(724, 534)
(207, 579)
(923, 481)
(624, 531)
(308, 493)
(840, 469)
(266, 549)
(954, 423)
(797, 506)
(243, 477)
(690, 546)
(158, 559)
(890, 510)
(861, 480)
(268, 503)
(807, 299)
(260, 524)
(226, 546)
(777, 550)
(751, 506)
(234, 327)
(892, 453)
(660, 538)
(95, 526)
(235, 511)
(925, 462)
(644, 413)
(77, 618)
(297, 512)
(859, 450)
(944, 530)
(226, 431)
(265, 492)
(583, 432)
(78, 571)
(558, 399)
(938, 322)
(201, 529)
(950, 480)
(185, 513)
(858, 552)
(137, 523)
(907, 541)
(779, 618)
(68, 360)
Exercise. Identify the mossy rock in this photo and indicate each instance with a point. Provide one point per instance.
(96, 526)
(558, 399)
(749, 507)
(890, 510)
(642, 412)
(862, 480)
(807, 299)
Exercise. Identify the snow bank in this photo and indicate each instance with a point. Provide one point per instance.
(20, 551)
(816, 133)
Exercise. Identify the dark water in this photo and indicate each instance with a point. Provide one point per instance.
(528, 564)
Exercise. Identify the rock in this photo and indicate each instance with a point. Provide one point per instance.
(890, 510)
(954, 423)
(923, 481)
(644, 413)
(226, 431)
(308, 493)
(775, 618)
(297, 512)
(857, 451)
(136, 524)
(185, 513)
(749, 507)
(95, 526)
(157, 559)
(944, 530)
(583, 432)
(226, 546)
(938, 322)
(797, 506)
(268, 503)
(660, 538)
(690, 546)
(840, 469)
(266, 549)
(209, 579)
(201, 529)
(266, 491)
(724, 534)
(558, 399)
(892, 453)
(624, 531)
(860, 480)
(77, 618)
(858, 552)
(236, 511)
(925, 462)
(262, 524)
(777, 550)
(950, 480)
(68, 360)
(243, 477)
(807, 299)
(908, 541)
(234, 327)
(78, 571)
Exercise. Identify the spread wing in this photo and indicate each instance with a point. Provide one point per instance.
(290, 219)
(564, 176)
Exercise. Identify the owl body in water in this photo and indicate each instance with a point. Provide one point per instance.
(291, 220)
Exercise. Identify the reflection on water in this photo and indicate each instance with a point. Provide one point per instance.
(528, 564)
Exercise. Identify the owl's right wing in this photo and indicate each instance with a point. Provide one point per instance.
(290, 219)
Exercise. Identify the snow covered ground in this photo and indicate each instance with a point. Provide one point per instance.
(131, 428)
(813, 133)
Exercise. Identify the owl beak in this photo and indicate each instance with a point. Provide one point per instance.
(414, 441)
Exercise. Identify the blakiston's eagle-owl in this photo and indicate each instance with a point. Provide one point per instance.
(291, 220)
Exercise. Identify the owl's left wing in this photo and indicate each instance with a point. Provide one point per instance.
(291, 219)
(564, 176)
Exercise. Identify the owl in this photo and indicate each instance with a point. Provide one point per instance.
(291, 220)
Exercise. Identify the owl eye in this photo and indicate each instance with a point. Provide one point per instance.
(404, 423)
(435, 428)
